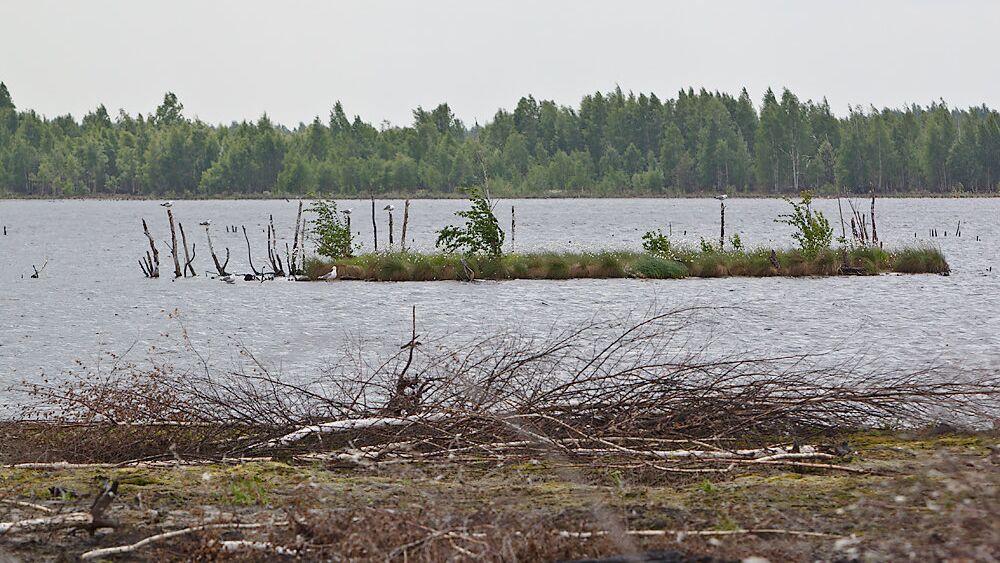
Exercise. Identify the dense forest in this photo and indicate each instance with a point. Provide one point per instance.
(612, 144)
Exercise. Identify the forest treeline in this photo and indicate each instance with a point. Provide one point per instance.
(611, 144)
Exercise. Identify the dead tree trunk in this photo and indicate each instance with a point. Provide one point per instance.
(221, 268)
(272, 250)
(152, 264)
(173, 245)
(249, 252)
(406, 220)
(188, 258)
(293, 262)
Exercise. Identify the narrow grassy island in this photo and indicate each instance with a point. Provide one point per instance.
(411, 266)
(475, 251)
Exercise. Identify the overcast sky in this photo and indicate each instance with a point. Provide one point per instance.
(234, 60)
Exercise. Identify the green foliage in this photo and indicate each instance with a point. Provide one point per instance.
(813, 232)
(707, 247)
(736, 242)
(481, 233)
(332, 235)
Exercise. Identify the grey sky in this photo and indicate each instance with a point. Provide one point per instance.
(236, 59)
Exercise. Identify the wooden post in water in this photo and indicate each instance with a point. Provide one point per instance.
(874, 232)
(390, 209)
(513, 225)
(722, 223)
(173, 244)
(374, 224)
(406, 220)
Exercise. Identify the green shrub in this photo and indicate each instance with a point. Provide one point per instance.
(332, 235)
(481, 233)
(813, 232)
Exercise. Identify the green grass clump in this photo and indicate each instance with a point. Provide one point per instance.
(920, 261)
(659, 268)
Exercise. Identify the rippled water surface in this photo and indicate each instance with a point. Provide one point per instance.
(92, 298)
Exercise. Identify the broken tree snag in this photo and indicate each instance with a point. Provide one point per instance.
(188, 258)
(293, 263)
(406, 220)
(249, 253)
(221, 268)
(152, 265)
(173, 245)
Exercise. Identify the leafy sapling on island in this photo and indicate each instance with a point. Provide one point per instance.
(813, 231)
(481, 233)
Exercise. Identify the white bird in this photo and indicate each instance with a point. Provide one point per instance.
(389, 208)
(229, 278)
(166, 204)
(205, 223)
(346, 212)
(721, 197)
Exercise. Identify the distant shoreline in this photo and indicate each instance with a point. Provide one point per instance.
(460, 196)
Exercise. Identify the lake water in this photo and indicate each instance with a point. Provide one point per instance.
(92, 298)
